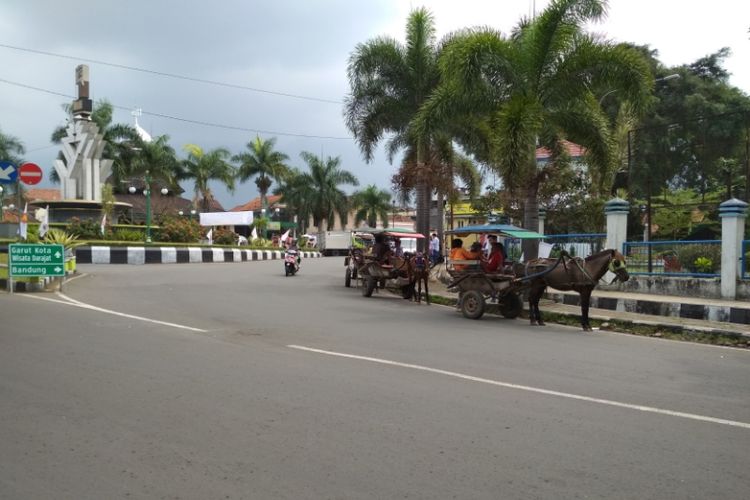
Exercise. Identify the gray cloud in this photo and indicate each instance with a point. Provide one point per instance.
(291, 47)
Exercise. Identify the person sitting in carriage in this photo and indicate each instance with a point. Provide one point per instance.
(398, 250)
(458, 252)
(495, 261)
(380, 250)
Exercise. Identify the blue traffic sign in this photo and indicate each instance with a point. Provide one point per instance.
(8, 172)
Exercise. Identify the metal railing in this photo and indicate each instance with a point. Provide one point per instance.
(698, 258)
(577, 245)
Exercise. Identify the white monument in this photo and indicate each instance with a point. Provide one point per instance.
(82, 171)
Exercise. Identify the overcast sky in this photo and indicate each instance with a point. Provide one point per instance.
(294, 47)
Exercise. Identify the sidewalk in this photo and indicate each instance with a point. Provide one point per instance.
(686, 321)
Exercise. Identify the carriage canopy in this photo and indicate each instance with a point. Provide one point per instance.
(507, 230)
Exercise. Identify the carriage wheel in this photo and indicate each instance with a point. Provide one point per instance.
(510, 305)
(369, 286)
(348, 278)
(472, 304)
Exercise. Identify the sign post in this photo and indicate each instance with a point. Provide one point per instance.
(35, 260)
(8, 172)
(30, 173)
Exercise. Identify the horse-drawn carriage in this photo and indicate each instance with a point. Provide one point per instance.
(476, 286)
(373, 273)
(531, 277)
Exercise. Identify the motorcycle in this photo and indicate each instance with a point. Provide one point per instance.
(291, 262)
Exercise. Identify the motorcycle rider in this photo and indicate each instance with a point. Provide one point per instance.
(292, 246)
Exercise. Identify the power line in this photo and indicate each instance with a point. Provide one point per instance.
(180, 119)
(171, 75)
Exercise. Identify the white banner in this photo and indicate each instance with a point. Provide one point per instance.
(226, 218)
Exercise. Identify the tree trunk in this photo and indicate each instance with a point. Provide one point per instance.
(322, 234)
(441, 218)
(531, 220)
(423, 215)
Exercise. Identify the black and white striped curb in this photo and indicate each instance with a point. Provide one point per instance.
(730, 314)
(174, 255)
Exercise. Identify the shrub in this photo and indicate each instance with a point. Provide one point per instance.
(59, 237)
(689, 254)
(703, 265)
(225, 237)
(87, 229)
(127, 235)
(179, 230)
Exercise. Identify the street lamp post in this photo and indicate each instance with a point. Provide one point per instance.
(2, 215)
(265, 226)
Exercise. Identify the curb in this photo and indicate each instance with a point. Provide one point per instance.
(175, 255)
(653, 328)
(705, 312)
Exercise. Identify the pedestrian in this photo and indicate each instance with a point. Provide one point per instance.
(434, 249)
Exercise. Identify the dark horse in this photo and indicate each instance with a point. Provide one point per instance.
(570, 273)
(419, 268)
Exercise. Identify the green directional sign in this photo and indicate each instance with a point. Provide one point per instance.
(36, 260)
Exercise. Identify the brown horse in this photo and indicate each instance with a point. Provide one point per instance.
(419, 268)
(570, 273)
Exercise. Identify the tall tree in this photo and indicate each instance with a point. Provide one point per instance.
(535, 88)
(262, 161)
(297, 194)
(371, 203)
(324, 196)
(389, 83)
(11, 149)
(156, 157)
(203, 166)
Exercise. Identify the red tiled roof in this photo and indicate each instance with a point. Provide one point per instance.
(42, 194)
(573, 149)
(254, 204)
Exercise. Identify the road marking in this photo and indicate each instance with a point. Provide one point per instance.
(82, 305)
(648, 409)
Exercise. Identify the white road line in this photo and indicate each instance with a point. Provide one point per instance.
(82, 305)
(648, 409)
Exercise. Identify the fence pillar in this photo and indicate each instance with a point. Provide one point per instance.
(732, 213)
(542, 218)
(616, 211)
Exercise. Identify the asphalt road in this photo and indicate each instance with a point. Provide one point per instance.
(231, 381)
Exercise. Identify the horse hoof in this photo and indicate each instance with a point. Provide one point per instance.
(533, 323)
(542, 323)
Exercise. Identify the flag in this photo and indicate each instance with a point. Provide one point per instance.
(254, 235)
(23, 226)
(104, 223)
(44, 223)
(210, 236)
(285, 236)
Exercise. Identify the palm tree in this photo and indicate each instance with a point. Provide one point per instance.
(119, 139)
(324, 197)
(157, 158)
(535, 88)
(296, 193)
(389, 83)
(371, 203)
(11, 149)
(204, 166)
(262, 161)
